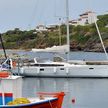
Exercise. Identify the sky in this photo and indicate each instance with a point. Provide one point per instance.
(27, 14)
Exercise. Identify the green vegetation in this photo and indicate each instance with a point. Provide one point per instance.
(81, 37)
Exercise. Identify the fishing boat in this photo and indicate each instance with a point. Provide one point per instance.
(6, 63)
(49, 102)
(11, 89)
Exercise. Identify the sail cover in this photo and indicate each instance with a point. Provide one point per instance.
(62, 48)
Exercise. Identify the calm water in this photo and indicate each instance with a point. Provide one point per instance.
(88, 93)
(72, 55)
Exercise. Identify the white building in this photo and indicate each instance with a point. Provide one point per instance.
(105, 13)
(73, 22)
(106, 25)
(41, 28)
(88, 17)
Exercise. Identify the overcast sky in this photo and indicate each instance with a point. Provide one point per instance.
(26, 14)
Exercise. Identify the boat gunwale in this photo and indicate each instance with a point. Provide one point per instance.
(30, 104)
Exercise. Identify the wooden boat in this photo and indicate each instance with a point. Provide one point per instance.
(11, 88)
(54, 101)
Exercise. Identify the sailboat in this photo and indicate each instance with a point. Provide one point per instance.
(69, 68)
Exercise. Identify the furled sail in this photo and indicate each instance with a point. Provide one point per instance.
(62, 48)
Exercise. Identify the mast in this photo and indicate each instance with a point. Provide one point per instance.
(67, 25)
(100, 37)
(59, 32)
(3, 46)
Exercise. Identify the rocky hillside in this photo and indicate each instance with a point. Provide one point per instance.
(83, 38)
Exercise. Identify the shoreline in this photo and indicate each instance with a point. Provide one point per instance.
(74, 50)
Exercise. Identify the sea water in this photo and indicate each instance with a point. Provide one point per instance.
(80, 92)
(72, 55)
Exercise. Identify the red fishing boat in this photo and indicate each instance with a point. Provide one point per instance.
(54, 100)
(11, 89)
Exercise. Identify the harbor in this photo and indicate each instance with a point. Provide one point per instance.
(86, 92)
(79, 92)
(53, 54)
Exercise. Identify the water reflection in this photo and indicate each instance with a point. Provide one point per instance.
(87, 93)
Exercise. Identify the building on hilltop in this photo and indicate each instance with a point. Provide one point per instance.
(106, 25)
(41, 28)
(106, 13)
(88, 17)
(73, 22)
(52, 27)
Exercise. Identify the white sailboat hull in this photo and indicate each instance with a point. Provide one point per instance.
(68, 71)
